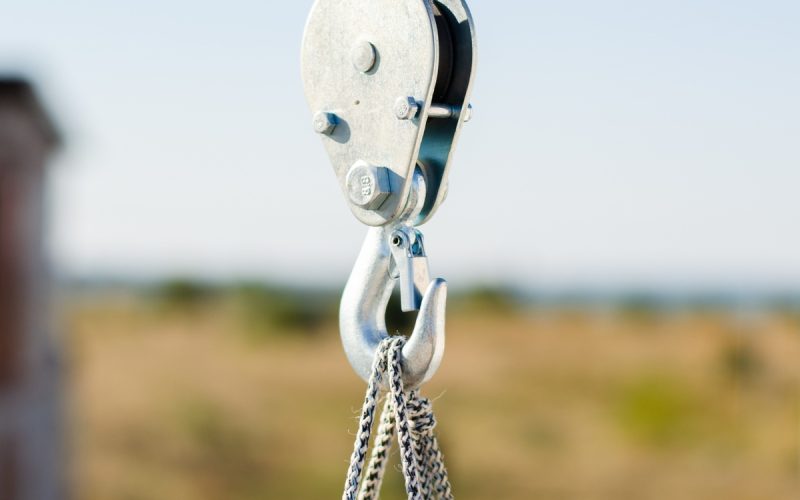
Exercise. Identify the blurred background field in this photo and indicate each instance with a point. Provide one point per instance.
(615, 146)
(186, 390)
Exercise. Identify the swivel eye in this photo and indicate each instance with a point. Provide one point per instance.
(362, 322)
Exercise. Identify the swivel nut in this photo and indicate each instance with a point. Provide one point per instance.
(367, 185)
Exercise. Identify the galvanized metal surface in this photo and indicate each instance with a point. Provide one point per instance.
(364, 56)
(362, 323)
(411, 262)
(324, 123)
(364, 60)
(389, 83)
(406, 108)
(368, 186)
(441, 135)
(445, 111)
(404, 38)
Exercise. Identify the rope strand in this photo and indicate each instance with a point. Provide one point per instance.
(407, 453)
(410, 417)
(365, 424)
(373, 477)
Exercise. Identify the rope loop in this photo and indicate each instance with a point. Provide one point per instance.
(407, 415)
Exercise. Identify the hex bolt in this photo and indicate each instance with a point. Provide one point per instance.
(324, 123)
(367, 185)
(406, 108)
(363, 56)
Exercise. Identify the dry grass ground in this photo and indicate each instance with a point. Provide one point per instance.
(193, 403)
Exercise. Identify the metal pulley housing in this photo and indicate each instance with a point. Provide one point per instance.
(388, 83)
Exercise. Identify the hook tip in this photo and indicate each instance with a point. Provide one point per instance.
(424, 350)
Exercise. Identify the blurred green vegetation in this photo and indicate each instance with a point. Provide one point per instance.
(193, 390)
(492, 299)
(740, 361)
(184, 293)
(658, 410)
(267, 309)
(263, 310)
(220, 455)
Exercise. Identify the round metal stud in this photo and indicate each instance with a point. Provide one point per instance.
(363, 55)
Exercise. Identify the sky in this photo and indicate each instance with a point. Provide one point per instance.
(614, 143)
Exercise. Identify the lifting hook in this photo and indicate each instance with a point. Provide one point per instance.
(389, 83)
(389, 254)
(362, 321)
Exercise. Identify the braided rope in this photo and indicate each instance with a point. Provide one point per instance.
(373, 477)
(422, 424)
(436, 477)
(407, 453)
(410, 416)
(365, 424)
(441, 479)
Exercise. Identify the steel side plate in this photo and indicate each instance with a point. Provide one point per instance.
(404, 35)
(441, 135)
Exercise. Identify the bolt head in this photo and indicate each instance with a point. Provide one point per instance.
(363, 55)
(406, 108)
(324, 123)
(367, 185)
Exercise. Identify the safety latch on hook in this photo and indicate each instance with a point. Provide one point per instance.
(410, 266)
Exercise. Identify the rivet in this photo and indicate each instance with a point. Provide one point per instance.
(363, 55)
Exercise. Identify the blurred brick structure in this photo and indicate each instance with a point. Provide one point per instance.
(31, 456)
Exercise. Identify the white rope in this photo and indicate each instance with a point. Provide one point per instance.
(436, 482)
(373, 477)
(365, 424)
(408, 415)
(408, 457)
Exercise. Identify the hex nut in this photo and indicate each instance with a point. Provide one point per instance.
(367, 185)
(324, 123)
(363, 55)
(467, 113)
(406, 108)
